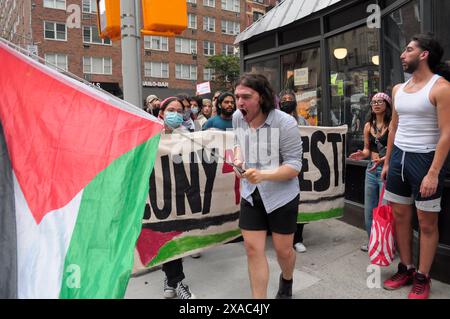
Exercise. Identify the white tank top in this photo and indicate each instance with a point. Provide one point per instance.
(417, 130)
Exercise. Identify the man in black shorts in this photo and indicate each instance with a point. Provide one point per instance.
(418, 144)
(268, 141)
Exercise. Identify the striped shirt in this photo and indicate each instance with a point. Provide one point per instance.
(277, 142)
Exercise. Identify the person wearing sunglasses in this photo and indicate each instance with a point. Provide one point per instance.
(376, 131)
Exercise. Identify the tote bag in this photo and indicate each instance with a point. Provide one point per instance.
(381, 242)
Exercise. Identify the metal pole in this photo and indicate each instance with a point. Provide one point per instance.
(130, 63)
(138, 10)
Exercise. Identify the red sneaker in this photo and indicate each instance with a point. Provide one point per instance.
(403, 277)
(421, 287)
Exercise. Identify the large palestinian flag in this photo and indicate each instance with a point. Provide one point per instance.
(74, 173)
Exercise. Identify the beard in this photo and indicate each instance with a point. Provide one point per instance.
(411, 67)
(227, 113)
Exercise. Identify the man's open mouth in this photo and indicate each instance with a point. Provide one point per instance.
(244, 112)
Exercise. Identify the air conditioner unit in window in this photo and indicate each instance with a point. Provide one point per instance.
(86, 16)
(148, 52)
(194, 5)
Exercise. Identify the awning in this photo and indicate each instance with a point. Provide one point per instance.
(283, 14)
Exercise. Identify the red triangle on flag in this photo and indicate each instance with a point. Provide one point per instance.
(59, 136)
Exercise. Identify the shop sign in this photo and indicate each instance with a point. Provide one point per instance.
(155, 84)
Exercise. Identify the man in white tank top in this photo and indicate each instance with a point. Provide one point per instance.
(418, 144)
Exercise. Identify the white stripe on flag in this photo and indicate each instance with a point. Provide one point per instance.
(41, 249)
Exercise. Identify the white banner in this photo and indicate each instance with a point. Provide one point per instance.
(194, 197)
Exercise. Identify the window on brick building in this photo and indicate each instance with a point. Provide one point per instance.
(89, 6)
(231, 5)
(95, 65)
(156, 69)
(55, 31)
(257, 15)
(209, 48)
(156, 43)
(230, 27)
(192, 21)
(185, 72)
(208, 74)
(209, 3)
(56, 60)
(187, 46)
(229, 49)
(209, 24)
(55, 4)
(90, 35)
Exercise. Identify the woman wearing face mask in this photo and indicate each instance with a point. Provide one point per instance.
(196, 109)
(172, 110)
(288, 104)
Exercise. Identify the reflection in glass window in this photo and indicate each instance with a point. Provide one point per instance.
(399, 27)
(301, 74)
(354, 78)
(269, 68)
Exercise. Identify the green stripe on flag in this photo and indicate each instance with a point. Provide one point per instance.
(181, 245)
(100, 257)
(314, 216)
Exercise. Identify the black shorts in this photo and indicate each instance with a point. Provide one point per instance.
(406, 172)
(282, 220)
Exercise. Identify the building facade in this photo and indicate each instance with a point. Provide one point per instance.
(255, 9)
(170, 66)
(335, 54)
(175, 65)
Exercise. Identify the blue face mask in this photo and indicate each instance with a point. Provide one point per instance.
(194, 110)
(173, 119)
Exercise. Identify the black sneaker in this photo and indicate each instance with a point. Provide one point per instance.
(169, 292)
(184, 292)
(284, 289)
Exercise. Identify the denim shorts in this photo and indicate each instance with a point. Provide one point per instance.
(282, 220)
(406, 172)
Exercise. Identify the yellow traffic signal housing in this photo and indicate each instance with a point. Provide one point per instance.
(164, 17)
(108, 19)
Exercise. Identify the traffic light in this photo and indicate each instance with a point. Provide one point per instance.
(160, 17)
(164, 17)
(108, 19)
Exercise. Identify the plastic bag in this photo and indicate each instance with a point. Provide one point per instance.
(382, 240)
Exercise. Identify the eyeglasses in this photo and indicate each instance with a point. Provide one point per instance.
(377, 102)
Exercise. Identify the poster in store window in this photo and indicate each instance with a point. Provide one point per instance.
(307, 106)
(301, 76)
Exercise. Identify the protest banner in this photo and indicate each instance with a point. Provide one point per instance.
(193, 200)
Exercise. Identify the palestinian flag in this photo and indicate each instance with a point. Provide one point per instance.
(74, 174)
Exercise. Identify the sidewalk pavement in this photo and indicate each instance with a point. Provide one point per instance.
(332, 267)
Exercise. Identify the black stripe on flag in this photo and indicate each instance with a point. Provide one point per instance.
(8, 235)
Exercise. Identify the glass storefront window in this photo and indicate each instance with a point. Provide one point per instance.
(301, 74)
(398, 28)
(269, 68)
(441, 25)
(354, 78)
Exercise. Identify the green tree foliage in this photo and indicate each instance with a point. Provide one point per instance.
(226, 70)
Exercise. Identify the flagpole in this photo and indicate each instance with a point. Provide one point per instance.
(131, 71)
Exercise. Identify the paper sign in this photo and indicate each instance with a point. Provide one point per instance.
(203, 88)
(301, 76)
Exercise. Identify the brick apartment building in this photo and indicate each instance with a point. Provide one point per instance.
(169, 65)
